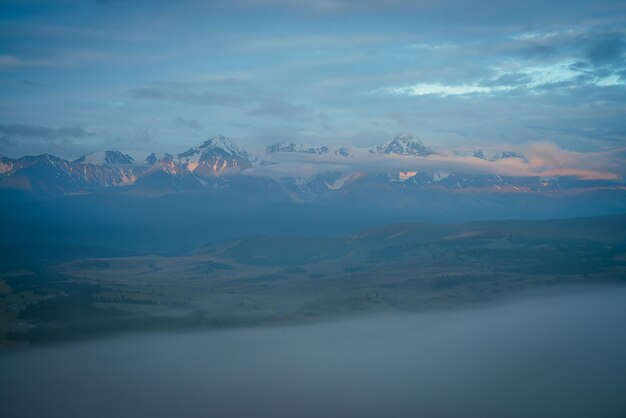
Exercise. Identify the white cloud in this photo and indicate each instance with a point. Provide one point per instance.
(535, 78)
(438, 89)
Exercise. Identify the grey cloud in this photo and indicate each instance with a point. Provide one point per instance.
(187, 123)
(142, 135)
(240, 97)
(280, 109)
(290, 112)
(8, 142)
(324, 122)
(135, 137)
(538, 51)
(202, 98)
(371, 138)
(497, 13)
(561, 84)
(16, 130)
(605, 48)
(401, 118)
(599, 58)
(599, 53)
(129, 140)
(596, 46)
(565, 116)
(19, 139)
(9, 61)
(581, 66)
(327, 67)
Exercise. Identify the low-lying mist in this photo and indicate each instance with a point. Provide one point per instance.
(550, 356)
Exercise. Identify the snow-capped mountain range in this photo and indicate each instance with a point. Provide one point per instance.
(219, 164)
(291, 147)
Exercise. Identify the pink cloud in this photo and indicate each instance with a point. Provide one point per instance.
(542, 159)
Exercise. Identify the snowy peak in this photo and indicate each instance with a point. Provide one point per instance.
(403, 145)
(498, 155)
(289, 147)
(155, 158)
(215, 156)
(314, 150)
(165, 163)
(106, 158)
(221, 145)
(281, 147)
(6, 164)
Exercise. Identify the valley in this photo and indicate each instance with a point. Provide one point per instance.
(264, 280)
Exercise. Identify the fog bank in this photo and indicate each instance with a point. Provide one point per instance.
(554, 356)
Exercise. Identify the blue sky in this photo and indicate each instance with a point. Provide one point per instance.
(78, 76)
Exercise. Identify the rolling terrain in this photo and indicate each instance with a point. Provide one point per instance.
(52, 292)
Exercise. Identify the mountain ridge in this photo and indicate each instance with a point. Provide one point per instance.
(210, 165)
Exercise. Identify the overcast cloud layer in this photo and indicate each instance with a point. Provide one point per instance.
(78, 75)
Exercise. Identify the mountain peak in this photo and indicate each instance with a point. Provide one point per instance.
(108, 157)
(215, 155)
(220, 143)
(281, 147)
(159, 158)
(501, 155)
(403, 144)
